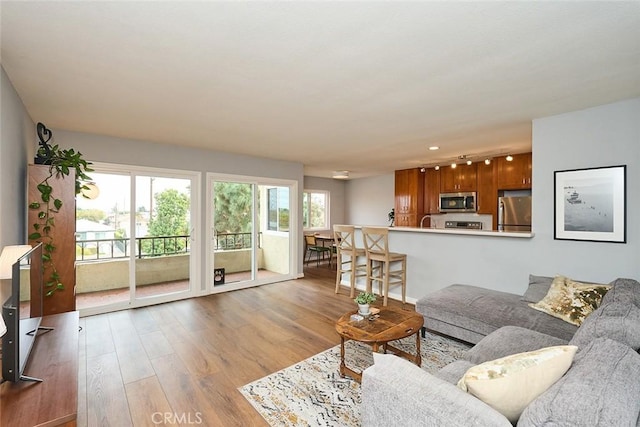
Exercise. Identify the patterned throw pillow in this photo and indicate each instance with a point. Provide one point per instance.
(510, 383)
(571, 301)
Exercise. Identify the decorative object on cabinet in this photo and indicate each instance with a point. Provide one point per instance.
(52, 213)
(590, 204)
(391, 216)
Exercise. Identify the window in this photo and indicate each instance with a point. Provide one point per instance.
(315, 210)
(278, 209)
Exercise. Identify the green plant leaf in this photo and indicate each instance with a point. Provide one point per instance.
(34, 236)
(34, 205)
(57, 203)
(42, 215)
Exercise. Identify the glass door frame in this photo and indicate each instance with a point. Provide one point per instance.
(195, 244)
(209, 257)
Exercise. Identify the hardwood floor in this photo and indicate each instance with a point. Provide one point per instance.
(181, 363)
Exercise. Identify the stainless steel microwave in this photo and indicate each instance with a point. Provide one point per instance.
(457, 202)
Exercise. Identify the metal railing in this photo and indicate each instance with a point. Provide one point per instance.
(149, 247)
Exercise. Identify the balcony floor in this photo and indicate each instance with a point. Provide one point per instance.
(101, 298)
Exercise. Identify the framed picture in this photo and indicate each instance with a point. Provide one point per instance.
(590, 204)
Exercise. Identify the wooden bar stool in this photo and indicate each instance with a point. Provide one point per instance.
(347, 256)
(392, 266)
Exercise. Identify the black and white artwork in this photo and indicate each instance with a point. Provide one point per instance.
(590, 204)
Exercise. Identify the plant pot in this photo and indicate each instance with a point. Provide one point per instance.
(363, 309)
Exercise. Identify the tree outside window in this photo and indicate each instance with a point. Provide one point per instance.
(315, 210)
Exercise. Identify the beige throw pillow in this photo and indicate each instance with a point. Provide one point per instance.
(571, 301)
(510, 383)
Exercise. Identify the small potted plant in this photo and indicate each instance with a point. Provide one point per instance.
(363, 300)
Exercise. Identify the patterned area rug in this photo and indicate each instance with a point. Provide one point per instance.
(312, 392)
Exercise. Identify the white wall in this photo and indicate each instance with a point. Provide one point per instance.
(608, 135)
(600, 136)
(369, 200)
(17, 148)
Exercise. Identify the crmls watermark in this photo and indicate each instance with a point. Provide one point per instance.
(188, 418)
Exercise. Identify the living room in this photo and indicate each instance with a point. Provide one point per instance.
(604, 134)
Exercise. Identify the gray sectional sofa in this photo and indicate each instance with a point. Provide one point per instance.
(600, 388)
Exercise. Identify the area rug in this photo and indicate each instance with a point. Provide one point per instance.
(312, 392)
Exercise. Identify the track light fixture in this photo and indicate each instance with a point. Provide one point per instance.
(509, 158)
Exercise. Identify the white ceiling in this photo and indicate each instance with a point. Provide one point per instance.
(361, 86)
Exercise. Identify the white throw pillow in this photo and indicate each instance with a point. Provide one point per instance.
(510, 383)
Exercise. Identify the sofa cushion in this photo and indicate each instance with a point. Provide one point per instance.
(454, 371)
(537, 289)
(510, 383)
(623, 290)
(509, 340)
(600, 389)
(471, 312)
(617, 320)
(571, 301)
(397, 392)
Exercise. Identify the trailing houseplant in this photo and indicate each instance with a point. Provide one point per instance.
(61, 162)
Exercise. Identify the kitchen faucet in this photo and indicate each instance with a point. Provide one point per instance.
(422, 220)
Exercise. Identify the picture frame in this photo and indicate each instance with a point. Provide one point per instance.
(590, 204)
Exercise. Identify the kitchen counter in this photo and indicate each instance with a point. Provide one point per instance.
(466, 232)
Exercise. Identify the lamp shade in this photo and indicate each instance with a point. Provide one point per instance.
(9, 256)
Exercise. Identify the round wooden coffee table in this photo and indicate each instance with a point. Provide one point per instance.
(389, 325)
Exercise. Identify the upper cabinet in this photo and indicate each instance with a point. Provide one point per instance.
(431, 191)
(487, 198)
(461, 178)
(515, 174)
(409, 197)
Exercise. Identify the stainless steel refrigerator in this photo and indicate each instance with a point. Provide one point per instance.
(514, 213)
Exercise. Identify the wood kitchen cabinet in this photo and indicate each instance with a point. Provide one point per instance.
(487, 197)
(462, 178)
(431, 191)
(409, 197)
(515, 174)
(63, 234)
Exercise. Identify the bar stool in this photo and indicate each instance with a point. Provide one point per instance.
(392, 266)
(347, 256)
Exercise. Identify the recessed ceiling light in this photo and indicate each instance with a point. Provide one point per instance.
(437, 167)
(469, 162)
(487, 161)
(434, 148)
(453, 165)
(509, 157)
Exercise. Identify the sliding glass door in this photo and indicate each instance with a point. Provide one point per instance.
(135, 239)
(249, 232)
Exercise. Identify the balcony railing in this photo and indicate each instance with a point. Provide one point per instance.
(148, 247)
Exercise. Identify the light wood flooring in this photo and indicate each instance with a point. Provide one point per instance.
(181, 363)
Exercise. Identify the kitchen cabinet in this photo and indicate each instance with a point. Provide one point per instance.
(515, 174)
(409, 197)
(431, 191)
(487, 196)
(461, 178)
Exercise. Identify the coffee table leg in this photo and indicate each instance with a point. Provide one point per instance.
(418, 353)
(343, 367)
